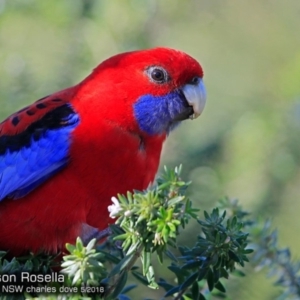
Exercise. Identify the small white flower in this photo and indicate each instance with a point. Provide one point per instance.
(158, 239)
(128, 213)
(115, 208)
(227, 240)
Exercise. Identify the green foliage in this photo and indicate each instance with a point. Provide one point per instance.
(40, 263)
(213, 257)
(267, 254)
(84, 265)
(278, 261)
(149, 223)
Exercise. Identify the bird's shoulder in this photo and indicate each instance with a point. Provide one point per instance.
(34, 144)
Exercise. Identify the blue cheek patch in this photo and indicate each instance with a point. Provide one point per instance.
(155, 114)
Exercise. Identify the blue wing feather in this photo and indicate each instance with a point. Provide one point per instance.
(31, 157)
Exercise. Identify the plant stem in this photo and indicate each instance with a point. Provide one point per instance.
(131, 263)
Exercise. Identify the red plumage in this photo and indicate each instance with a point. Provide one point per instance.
(109, 153)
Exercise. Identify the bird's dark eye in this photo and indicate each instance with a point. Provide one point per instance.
(157, 74)
(195, 80)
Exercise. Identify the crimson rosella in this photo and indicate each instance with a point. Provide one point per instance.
(65, 156)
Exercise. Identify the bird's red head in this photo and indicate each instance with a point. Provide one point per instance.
(149, 91)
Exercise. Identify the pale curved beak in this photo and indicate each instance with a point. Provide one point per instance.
(195, 95)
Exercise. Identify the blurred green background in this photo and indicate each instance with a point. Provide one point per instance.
(245, 145)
